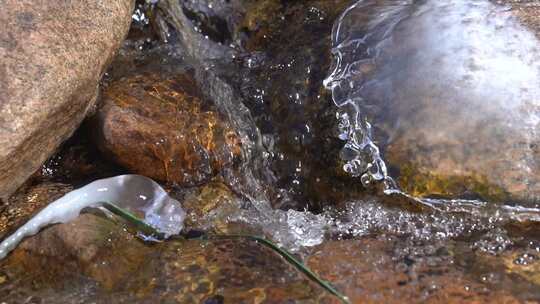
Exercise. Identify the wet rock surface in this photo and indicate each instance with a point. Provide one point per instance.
(27, 201)
(97, 259)
(448, 121)
(159, 126)
(94, 259)
(53, 56)
(371, 270)
(65, 258)
(528, 12)
(274, 57)
(492, 149)
(373, 249)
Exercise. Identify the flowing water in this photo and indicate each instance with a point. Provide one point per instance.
(445, 61)
(468, 69)
(402, 69)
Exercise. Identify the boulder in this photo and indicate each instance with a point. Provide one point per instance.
(53, 54)
(452, 91)
(160, 126)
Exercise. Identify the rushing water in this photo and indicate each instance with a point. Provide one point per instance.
(436, 64)
(458, 78)
(465, 68)
(464, 76)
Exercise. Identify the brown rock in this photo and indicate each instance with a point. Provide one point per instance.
(90, 246)
(527, 11)
(28, 200)
(455, 116)
(53, 54)
(367, 271)
(92, 259)
(161, 127)
(209, 205)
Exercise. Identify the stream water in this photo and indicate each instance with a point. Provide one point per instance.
(463, 75)
(453, 85)
(445, 61)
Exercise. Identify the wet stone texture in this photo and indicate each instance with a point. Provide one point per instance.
(76, 163)
(202, 205)
(28, 200)
(159, 126)
(52, 58)
(380, 270)
(98, 259)
(431, 83)
(528, 12)
(94, 259)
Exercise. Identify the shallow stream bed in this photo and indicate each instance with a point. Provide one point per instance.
(303, 121)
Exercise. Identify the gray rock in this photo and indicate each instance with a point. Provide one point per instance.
(53, 56)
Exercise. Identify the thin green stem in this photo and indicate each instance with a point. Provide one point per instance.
(289, 258)
(132, 219)
(147, 229)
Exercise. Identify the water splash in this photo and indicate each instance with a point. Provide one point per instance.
(135, 193)
(466, 69)
(353, 55)
(360, 39)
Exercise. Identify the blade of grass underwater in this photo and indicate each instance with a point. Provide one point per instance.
(145, 228)
(289, 258)
(132, 219)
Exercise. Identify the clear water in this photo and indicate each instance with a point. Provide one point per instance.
(391, 55)
(465, 68)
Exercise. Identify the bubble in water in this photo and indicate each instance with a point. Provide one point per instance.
(525, 259)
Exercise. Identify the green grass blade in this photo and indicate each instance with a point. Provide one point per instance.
(291, 259)
(132, 219)
(149, 230)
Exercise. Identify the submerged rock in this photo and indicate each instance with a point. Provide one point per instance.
(161, 127)
(208, 207)
(89, 246)
(93, 259)
(452, 92)
(53, 56)
(371, 270)
(28, 200)
(136, 194)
